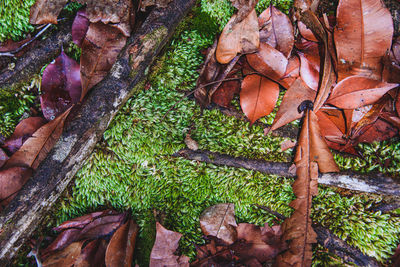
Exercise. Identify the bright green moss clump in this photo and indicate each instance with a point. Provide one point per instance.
(14, 19)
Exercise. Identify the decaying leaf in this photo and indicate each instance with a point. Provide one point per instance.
(80, 27)
(268, 61)
(92, 254)
(258, 96)
(164, 248)
(309, 63)
(65, 257)
(276, 30)
(46, 11)
(306, 32)
(22, 132)
(36, 148)
(219, 221)
(288, 110)
(362, 36)
(292, 72)
(238, 37)
(11, 181)
(244, 7)
(224, 94)
(3, 157)
(190, 143)
(122, 244)
(357, 91)
(100, 49)
(61, 86)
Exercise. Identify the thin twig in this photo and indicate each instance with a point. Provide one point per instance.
(13, 52)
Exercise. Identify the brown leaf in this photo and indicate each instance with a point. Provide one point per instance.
(238, 37)
(288, 110)
(62, 241)
(158, 3)
(357, 91)
(22, 132)
(80, 27)
(92, 254)
(122, 244)
(102, 226)
(268, 61)
(219, 221)
(164, 248)
(36, 148)
(244, 7)
(258, 96)
(292, 72)
(362, 36)
(46, 11)
(61, 86)
(287, 144)
(3, 157)
(310, 64)
(65, 257)
(380, 130)
(12, 180)
(82, 221)
(306, 32)
(190, 143)
(100, 49)
(276, 30)
(224, 94)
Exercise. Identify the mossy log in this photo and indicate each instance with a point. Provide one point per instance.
(375, 183)
(33, 60)
(81, 133)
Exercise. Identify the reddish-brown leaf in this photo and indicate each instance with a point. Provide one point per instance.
(46, 11)
(63, 240)
(292, 72)
(122, 244)
(219, 221)
(61, 86)
(65, 257)
(22, 132)
(35, 149)
(288, 110)
(79, 27)
(380, 130)
(82, 221)
(362, 36)
(358, 91)
(165, 246)
(332, 132)
(92, 254)
(244, 8)
(225, 93)
(310, 64)
(238, 37)
(276, 30)
(12, 180)
(268, 61)
(102, 226)
(306, 32)
(100, 49)
(258, 96)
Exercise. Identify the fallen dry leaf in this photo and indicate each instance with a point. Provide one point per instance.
(292, 72)
(310, 64)
(12, 180)
(219, 221)
(100, 49)
(22, 132)
(306, 32)
(258, 96)
(3, 157)
(268, 61)
(46, 11)
(36, 148)
(61, 86)
(288, 110)
(244, 7)
(65, 257)
(238, 37)
(165, 246)
(287, 144)
(362, 36)
(80, 27)
(357, 91)
(276, 30)
(224, 94)
(122, 244)
(92, 254)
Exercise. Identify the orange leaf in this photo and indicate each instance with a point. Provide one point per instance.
(362, 36)
(238, 37)
(358, 91)
(258, 96)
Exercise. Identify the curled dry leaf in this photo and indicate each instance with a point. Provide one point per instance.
(36, 148)
(276, 30)
(288, 110)
(22, 132)
(61, 86)
(219, 221)
(306, 32)
(82, 221)
(244, 7)
(258, 96)
(362, 36)
(309, 63)
(164, 248)
(238, 37)
(79, 27)
(269, 62)
(122, 244)
(65, 257)
(357, 91)
(100, 49)
(12, 180)
(225, 93)
(292, 72)
(92, 254)
(378, 131)
(46, 11)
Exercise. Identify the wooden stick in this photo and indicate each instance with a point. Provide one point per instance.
(372, 183)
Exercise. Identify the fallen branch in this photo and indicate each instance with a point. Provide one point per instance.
(334, 244)
(372, 183)
(33, 60)
(27, 209)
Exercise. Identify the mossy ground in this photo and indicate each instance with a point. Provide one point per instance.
(132, 168)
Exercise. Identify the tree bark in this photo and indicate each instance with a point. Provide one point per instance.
(372, 183)
(24, 213)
